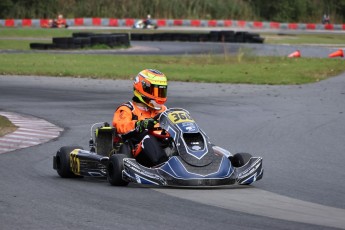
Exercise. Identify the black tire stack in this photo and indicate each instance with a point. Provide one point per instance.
(85, 40)
(212, 36)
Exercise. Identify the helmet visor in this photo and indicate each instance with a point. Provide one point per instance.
(159, 91)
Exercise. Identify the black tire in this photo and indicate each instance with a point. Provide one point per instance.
(38, 46)
(63, 40)
(126, 149)
(240, 37)
(147, 37)
(227, 36)
(83, 41)
(63, 161)
(50, 46)
(61, 46)
(240, 159)
(98, 40)
(114, 170)
(214, 36)
(258, 39)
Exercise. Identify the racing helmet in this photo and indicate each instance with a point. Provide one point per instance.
(150, 87)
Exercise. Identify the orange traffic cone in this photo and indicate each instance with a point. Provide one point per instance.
(295, 54)
(338, 53)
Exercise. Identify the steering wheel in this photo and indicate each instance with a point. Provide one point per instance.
(157, 116)
(163, 134)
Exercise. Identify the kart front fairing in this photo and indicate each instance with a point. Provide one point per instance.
(193, 146)
(196, 162)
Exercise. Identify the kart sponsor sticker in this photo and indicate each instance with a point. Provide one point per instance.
(250, 170)
(188, 127)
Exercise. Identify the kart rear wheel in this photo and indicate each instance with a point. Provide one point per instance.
(63, 161)
(240, 159)
(114, 170)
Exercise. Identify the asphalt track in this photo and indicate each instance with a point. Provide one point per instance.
(204, 48)
(298, 130)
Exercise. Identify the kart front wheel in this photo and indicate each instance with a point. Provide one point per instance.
(114, 170)
(240, 159)
(62, 161)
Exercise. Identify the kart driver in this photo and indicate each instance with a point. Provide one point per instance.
(134, 119)
(147, 21)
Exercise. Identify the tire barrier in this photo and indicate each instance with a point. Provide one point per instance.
(212, 36)
(85, 40)
(129, 22)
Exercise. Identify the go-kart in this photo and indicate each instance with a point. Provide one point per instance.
(56, 23)
(192, 159)
(142, 24)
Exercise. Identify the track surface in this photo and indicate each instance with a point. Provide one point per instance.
(192, 48)
(298, 130)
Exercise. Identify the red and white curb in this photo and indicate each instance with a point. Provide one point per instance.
(31, 131)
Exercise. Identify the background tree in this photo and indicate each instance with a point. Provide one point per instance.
(309, 11)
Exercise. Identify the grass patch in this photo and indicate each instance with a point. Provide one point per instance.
(202, 68)
(23, 44)
(333, 39)
(6, 126)
(241, 68)
(35, 32)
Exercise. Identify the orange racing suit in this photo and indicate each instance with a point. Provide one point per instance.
(126, 116)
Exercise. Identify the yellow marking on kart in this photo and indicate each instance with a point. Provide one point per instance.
(103, 128)
(74, 162)
(179, 117)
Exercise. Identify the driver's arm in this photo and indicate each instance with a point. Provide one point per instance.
(122, 120)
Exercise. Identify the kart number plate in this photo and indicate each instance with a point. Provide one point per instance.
(179, 117)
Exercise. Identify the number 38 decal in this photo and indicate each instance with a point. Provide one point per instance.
(74, 162)
(178, 117)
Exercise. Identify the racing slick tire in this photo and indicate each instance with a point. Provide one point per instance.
(114, 170)
(63, 161)
(240, 159)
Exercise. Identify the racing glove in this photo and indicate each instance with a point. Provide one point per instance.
(145, 124)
